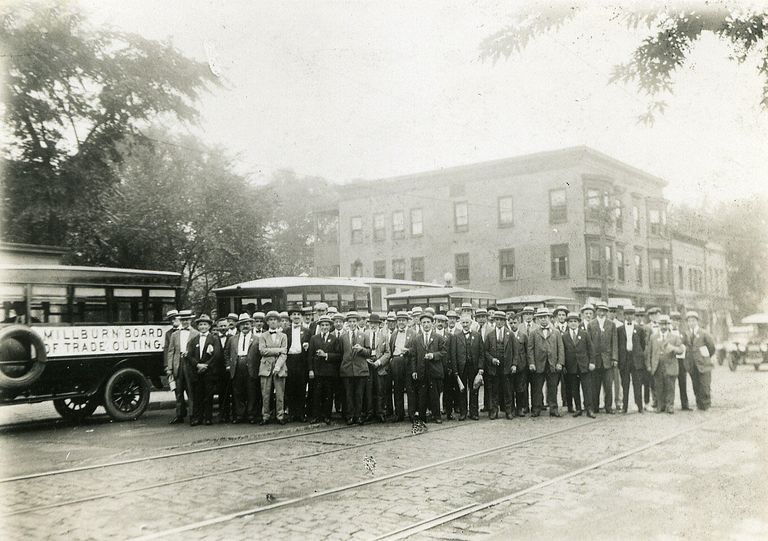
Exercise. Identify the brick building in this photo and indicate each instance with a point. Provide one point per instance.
(533, 224)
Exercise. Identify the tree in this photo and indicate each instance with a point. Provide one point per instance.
(180, 207)
(73, 95)
(674, 30)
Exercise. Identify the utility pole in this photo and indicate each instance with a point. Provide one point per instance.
(605, 217)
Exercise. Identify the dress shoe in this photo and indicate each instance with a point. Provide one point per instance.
(235, 421)
(463, 417)
(450, 417)
(554, 413)
(535, 413)
(578, 413)
(176, 421)
(570, 409)
(256, 421)
(438, 420)
(475, 418)
(208, 422)
(610, 412)
(493, 415)
(519, 413)
(262, 422)
(350, 422)
(327, 420)
(194, 423)
(508, 416)
(282, 421)
(360, 421)
(224, 420)
(686, 408)
(381, 419)
(670, 411)
(590, 414)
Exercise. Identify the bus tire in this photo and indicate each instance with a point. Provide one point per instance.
(18, 369)
(126, 394)
(75, 409)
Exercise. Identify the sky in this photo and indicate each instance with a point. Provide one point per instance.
(364, 90)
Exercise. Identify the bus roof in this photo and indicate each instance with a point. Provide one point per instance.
(392, 282)
(283, 282)
(62, 274)
(440, 292)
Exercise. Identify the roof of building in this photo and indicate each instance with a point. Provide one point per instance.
(534, 299)
(504, 167)
(440, 292)
(393, 282)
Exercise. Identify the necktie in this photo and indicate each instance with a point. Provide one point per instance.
(573, 336)
(242, 344)
(373, 340)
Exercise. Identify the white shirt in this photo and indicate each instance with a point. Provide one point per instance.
(183, 338)
(601, 323)
(499, 335)
(426, 337)
(201, 345)
(295, 340)
(242, 348)
(629, 328)
(574, 334)
(545, 332)
(399, 343)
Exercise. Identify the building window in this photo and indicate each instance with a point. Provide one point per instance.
(456, 190)
(417, 269)
(357, 229)
(619, 216)
(462, 268)
(559, 259)
(609, 260)
(356, 268)
(398, 269)
(379, 229)
(657, 221)
(417, 223)
(398, 225)
(558, 209)
(380, 269)
(639, 269)
(620, 265)
(636, 219)
(505, 212)
(461, 216)
(507, 264)
(659, 271)
(594, 260)
(594, 203)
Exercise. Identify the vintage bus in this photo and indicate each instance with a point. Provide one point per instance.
(83, 337)
(441, 299)
(363, 294)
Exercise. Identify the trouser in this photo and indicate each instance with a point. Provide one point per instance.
(435, 390)
(296, 386)
(625, 376)
(372, 393)
(638, 377)
(648, 386)
(339, 396)
(420, 395)
(513, 393)
(355, 388)
(240, 391)
(468, 378)
(491, 392)
(682, 383)
(618, 395)
(402, 383)
(323, 396)
(450, 394)
(702, 383)
(224, 390)
(552, 378)
(203, 389)
(537, 384)
(587, 388)
(383, 395)
(278, 384)
(182, 386)
(572, 392)
(310, 401)
(564, 391)
(665, 389)
(602, 377)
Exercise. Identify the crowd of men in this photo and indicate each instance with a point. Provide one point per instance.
(304, 364)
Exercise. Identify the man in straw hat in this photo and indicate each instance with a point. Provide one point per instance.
(324, 356)
(401, 377)
(426, 353)
(700, 353)
(204, 362)
(273, 347)
(244, 358)
(605, 344)
(546, 358)
(661, 361)
(176, 364)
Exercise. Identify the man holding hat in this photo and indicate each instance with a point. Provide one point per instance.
(700, 352)
(204, 362)
(356, 350)
(176, 364)
(579, 363)
(605, 344)
(244, 359)
(546, 358)
(378, 370)
(273, 370)
(683, 367)
(401, 377)
(324, 356)
(426, 352)
(296, 383)
(631, 343)
(661, 361)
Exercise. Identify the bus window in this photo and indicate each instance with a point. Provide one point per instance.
(49, 304)
(127, 305)
(90, 305)
(361, 301)
(313, 298)
(12, 298)
(331, 298)
(376, 299)
(266, 303)
(294, 298)
(160, 302)
(347, 302)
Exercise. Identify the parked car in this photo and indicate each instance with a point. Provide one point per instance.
(747, 343)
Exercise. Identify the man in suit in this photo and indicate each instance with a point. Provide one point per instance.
(466, 357)
(661, 361)
(515, 366)
(173, 317)
(545, 361)
(296, 384)
(324, 356)
(204, 362)
(176, 365)
(683, 367)
(224, 384)
(700, 352)
(426, 353)
(496, 343)
(401, 377)
(339, 394)
(356, 350)
(273, 369)
(243, 360)
(527, 325)
(559, 316)
(605, 344)
(521, 376)
(449, 380)
(321, 309)
(378, 370)
(587, 315)
(631, 344)
(579, 363)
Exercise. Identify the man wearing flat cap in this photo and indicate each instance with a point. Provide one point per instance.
(579, 364)
(426, 352)
(176, 364)
(700, 352)
(546, 358)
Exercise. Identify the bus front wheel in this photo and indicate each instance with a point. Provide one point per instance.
(126, 394)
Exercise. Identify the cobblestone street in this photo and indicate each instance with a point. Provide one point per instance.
(554, 478)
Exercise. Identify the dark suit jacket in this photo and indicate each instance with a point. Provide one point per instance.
(354, 364)
(254, 357)
(214, 359)
(462, 351)
(491, 349)
(417, 349)
(636, 358)
(578, 354)
(605, 343)
(324, 366)
(693, 356)
(305, 336)
(545, 350)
